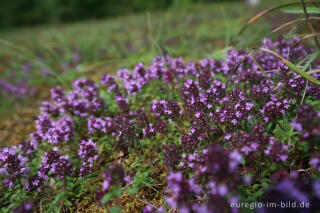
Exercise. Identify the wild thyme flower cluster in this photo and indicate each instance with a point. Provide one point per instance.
(235, 109)
(50, 109)
(294, 188)
(218, 169)
(96, 125)
(284, 48)
(88, 154)
(308, 124)
(82, 100)
(259, 147)
(113, 177)
(24, 208)
(19, 90)
(34, 183)
(62, 167)
(54, 131)
(109, 81)
(27, 148)
(274, 109)
(56, 165)
(218, 132)
(164, 108)
(122, 102)
(12, 166)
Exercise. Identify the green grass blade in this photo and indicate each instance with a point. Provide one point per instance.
(310, 10)
(293, 67)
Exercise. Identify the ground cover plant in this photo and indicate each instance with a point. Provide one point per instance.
(223, 132)
(176, 135)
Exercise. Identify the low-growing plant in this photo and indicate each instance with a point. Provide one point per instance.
(220, 132)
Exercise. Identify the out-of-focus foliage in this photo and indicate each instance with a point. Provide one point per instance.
(30, 12)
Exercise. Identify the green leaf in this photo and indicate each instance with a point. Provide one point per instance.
(67, 203)
(116, 191)
(106, 198)
(132, 190)
(280, 133)
(263, 173)
(256, 186)
(115, 209)
(144, 175)
(55, 208)
(58, 197)
(273, 167)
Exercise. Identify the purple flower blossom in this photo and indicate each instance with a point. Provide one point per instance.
(62, 167)
(307, 124)
(96, 125)
(61, 131)
(34, 183)
(24, 208)
(49, 108)
(274, 108)
(168, 109)
(88, 154)
(114, 176)
(12, 166)
(122, 103)
(149, 131)
(109, 81)
(27, 148)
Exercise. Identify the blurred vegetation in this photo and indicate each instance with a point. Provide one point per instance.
(31, 12)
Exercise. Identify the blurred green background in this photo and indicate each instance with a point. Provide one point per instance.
(15, 13)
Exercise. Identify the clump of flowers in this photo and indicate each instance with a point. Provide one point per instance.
(294, 189)
(122, 102)
(149, 131)
(24, 208)
(97, 125)
(12, 166)
(182, 190)
(27, 148)
(49, 108)
(61, 131)
(217, 170)
(307, 123)
(115, 176)
(259, 147)
(164, 108)
(88, 154)
(109, 81)
(274, 109)
(55, 164)
(34, 183)
(54, 131)
(235, 109)
(62, 167)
